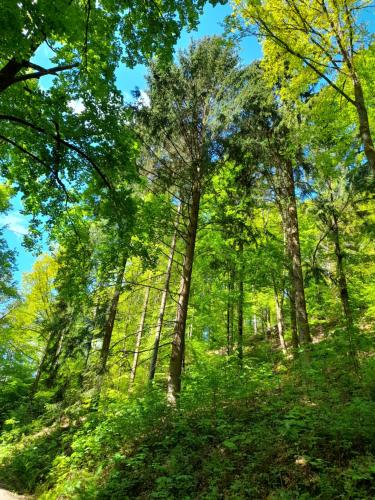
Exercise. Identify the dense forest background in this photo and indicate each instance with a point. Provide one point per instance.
(199, 321)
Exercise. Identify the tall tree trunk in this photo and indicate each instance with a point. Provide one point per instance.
(364, 125)
(255, 324)
(163, 302)
(291, 291)
(290, 221)
(230, 312)
(88, 350)
(263, 324)
(109, 323)
(90, 338)
(139, 336)
(190, 332)
(240, 303)
(177, 354)
(268, 322)
(280, 320)
(293, 318)
(341, 277)
(344, 293)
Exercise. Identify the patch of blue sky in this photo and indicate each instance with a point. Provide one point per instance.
(14, 226)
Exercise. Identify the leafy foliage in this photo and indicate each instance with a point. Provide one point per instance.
(216, 238)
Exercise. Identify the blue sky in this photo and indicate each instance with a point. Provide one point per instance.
(128, 79)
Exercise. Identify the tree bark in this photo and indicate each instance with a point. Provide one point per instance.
(177, 354)
(344, 293)
(268, 322)
(240, 304)
(230, 312)
(341, 277)
(139, 336)
(263, 324)
(90, 338)
(293, 318)
(290, 222)
(364, 125)
(9, 72)
(109, 323)
(255, 324)
(88, 350)
(280, 321)
(163, 302)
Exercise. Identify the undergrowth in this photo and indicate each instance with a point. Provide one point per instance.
(278, 428)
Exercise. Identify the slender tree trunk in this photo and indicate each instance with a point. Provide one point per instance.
(240, 304)
(177, 355)
(88, 350)
(291, 291)
(255, 324)
(290, 221)
(280, 321)
(344, 293)
(341, 277)
(163, 302)
(229, 344)
(293, 318)
(139, 336)
(109, 323)
(263, 324)
(230, 312)
(364, 125)
(90, 339)
(190, 332)
(268, 322)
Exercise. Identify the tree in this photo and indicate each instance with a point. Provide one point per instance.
(139, 335)
(163, 301)
(265, 145)
(319, 43)
(183, 119)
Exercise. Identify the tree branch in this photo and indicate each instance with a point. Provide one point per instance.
(42, 71)
(69, 145)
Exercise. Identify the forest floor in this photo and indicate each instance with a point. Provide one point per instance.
(278, 428)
